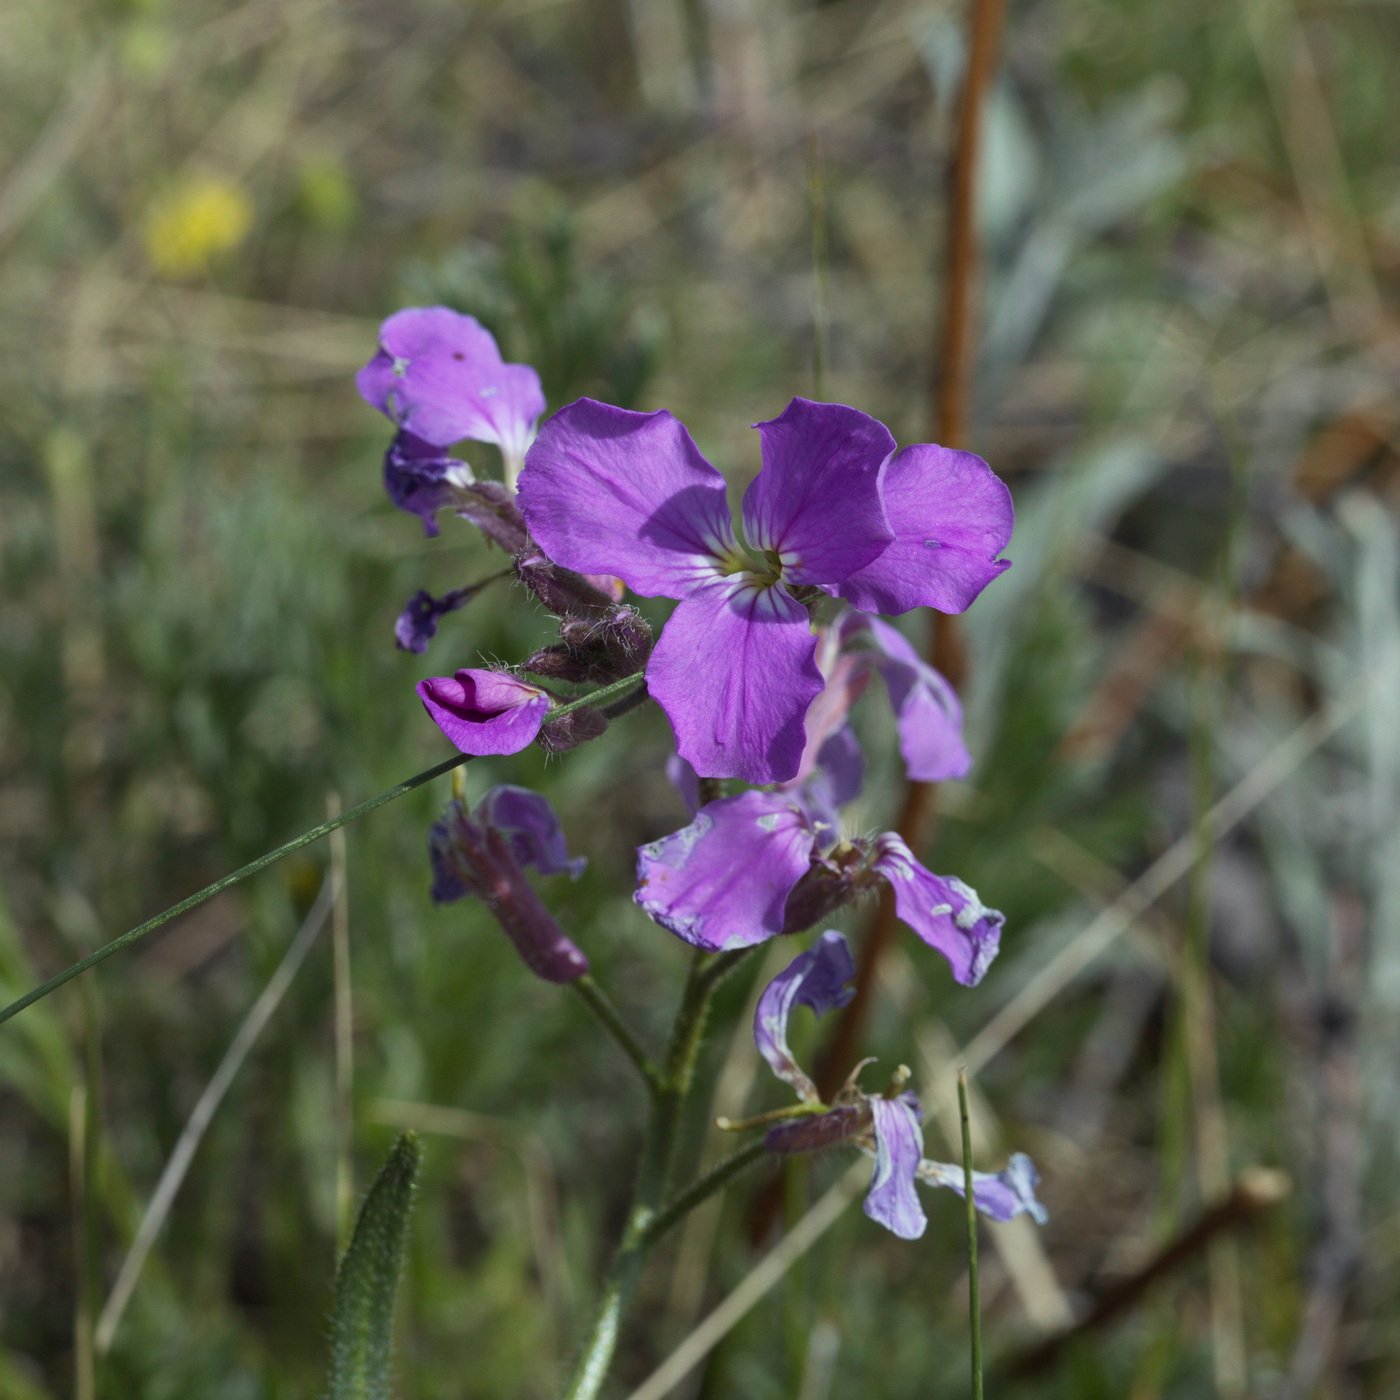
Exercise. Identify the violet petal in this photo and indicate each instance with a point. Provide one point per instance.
(735, 674)
(485, 712)
(951, 517)
(531, 829)
(815, 978)
(722, 881)
(686, 782)
(899, 1147)
(926, 708)
(609, 491)
(943, 911)
(418, 478)
(817, 501)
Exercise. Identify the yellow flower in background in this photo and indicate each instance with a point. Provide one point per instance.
(196, 221)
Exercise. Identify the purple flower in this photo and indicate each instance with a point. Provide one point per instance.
(483, 853)
(417, 623)
(485, 712)
(609, 491)
(760, 864)
(439, 375)
(887, 1127)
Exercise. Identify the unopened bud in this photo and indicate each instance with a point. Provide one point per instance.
(563, 592)
(570, 730)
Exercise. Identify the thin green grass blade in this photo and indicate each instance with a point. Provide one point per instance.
(363, 1312)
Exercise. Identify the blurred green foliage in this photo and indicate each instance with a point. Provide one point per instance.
(1193, 241)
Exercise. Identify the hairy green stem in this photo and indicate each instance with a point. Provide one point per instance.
(974, 1291)
(600, 1004)
(272, 857)
(702, 1188)
(707, 970)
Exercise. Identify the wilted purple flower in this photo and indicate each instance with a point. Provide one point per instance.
(417, 623)
(887, 1127)
(483, 853)
(609, 491)
(753, 866)
(439, 376)
(485, 712)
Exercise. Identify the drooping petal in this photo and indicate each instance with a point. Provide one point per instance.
(722, 881)
(470, 857)
(926, 707)
(951, 517)
(734, 672)
(417, 623)
(419, 477)
(816, 978)
(846, 677)
(609, 491)
(1000, 1195)
(943, 911)
(686, 782)
(817, 501)
(440, 374)
(835, 781)
(531, 829)
(899, 1147)
(485, 712)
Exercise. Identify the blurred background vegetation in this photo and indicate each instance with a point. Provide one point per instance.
(1187, 372)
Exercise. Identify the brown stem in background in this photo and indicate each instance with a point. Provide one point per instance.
(952, 377)
(1254, 1191)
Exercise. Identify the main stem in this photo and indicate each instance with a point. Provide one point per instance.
(974, 1290)
(707, 970)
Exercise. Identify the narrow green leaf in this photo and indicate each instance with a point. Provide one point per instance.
(363, 1312)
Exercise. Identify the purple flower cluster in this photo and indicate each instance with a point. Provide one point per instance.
(757, 671)
(888, 1127)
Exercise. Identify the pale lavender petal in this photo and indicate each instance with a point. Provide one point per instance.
(845, 677)
(1001, 1195)
(722, 881)
(943, 911)
(686, 782)
(531, 829)
(951, 517)
(485, 712)
(816, 978)
(439, 374)
(817, 501)
(735, 674)
(899, 1147)
(418, 478)
(927, 711)
(608, 491)
(417, 623)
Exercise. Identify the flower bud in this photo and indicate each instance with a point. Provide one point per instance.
(570, 730)
(563, 592)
